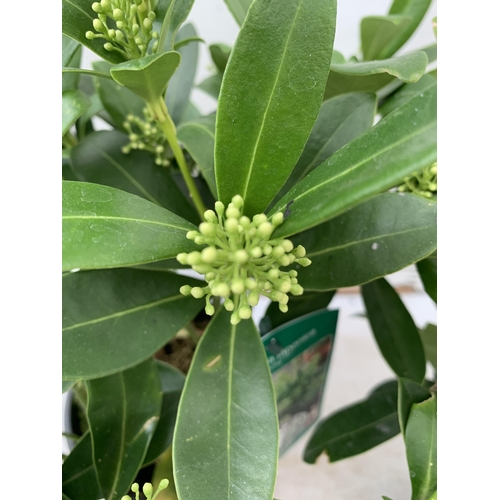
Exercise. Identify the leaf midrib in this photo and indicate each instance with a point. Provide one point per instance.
(110, 217)
(123, 313)
(278, 74)
(367, 240)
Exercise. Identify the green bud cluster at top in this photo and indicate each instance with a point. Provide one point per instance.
(131, 28)
(147, 489)
(242, 261)
(422, 183)
(145, 135)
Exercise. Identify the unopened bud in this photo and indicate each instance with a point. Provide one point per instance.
(210, 309)
(256, 252)
(229, 305)
(221, 290)
(210, 216)
(296, 290)
(231, 225)
(235, 318)
(259, 219)
(253, 298)
(135, 487)
(96, 7)
(304, 262)
(245, 312)
(287, 245)
(283, 308)
(207, 228)
(233, 212)
(209, 255)
(219, 207)
(265, 229)
(241, 256)
(98, 26)
(191, 235)
(182, 258)
(197, 292)
(238, 286)
(147, 23)
(147, 489)
(118, 14)
(163, 484)
(108, 46)
(277, 219)
(278, 251)
(300, 251)
(90, 35)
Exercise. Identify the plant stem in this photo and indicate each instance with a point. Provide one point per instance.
(160, 112)
(69, 140)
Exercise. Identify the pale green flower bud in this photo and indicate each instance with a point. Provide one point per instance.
(250, 284)
(90, 35)
(163, 484)
(120, 25)
(98, 26)
(256, 252)
(96, 7)
(221, 290)
(147, 489)
(259, 219)
(296, 290)
(135, 29)
(193, 258)
(118, 14)
(210, 216)
(304, 262)
(147, 24)
(185, 290)
(285, 260)
(278, 251)
(235, 318)
(283, 308)
(286, 286)
(219, 207)
(210, 309)
(112, 33)
(209, 255)
(135, 487)
(207, 228)
(265, 229)
(287, 245)
(233, 212)
(300, 251)
(267, 249)
(245, 312)
(199, 240)
(152, 16)
(126, 497)
(245, 221)
(253, 298)
(197, 292)
(191, 235)
(182, 258)
(241, 256)
(106, 5)
(237, 201)
(273, 273)
(231, 225)
(108, 46)
(293, 273)
(238, 286)
(277, 219)
(229, 305)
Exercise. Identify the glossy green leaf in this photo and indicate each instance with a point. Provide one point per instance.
(212, 85)
(172, 13)
(79, 479)
(99, 159)
(409, 393)
(415, 10)
(431, 52)
(340, 120)
(67, 385)
(198, 137)
(123, 411)
(297, 307)
(220, 53)
(147, 77)
(379, 237)
(71, 81)
(405, 93)
(77, 18)
(429, 340)
(163, 265)
(179, 88)
(74, 104)
(239, 9)
(88, 72)
(172, 382)
(279, 64)
(421, 448)
(427, 268)
(373, 75)
(117, 100)
(357, 428)
(65, 497)
(191, 113)
(394, 330)
(187, 41)
(84, 123)
(377, 34)
(401, 143)
(114, 319)
(104, 227)
(69, 48)
(226, 436)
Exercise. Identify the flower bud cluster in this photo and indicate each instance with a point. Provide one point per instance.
(241, 261)
(126, 25)
(145, 135)
(422, 183)
(147, 489)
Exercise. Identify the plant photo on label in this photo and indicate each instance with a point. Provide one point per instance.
(314, 174)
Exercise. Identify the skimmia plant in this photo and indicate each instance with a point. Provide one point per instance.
(314, 174)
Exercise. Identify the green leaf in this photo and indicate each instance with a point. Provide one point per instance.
(78, 472)
(212, 85)
(77, 18)
(357, 428)
(421, 452)
(409, 392)
(69, 48)
(340, 120)
(198, 137)
(114, 319)
(88, 72)
(279, 64)
(429, 340)
(373, 75)
(400, 144)
(99, 159)
(385, 498)
(405, 93)
(227, 423)
(172, 13)
(394, 330)
(71, 81)
(74, 104)
(123, 411)
(220, 53)
(239, 9)
(147, 77)
(172, 382)
(82, 125)
(297, 307)
(427, 268)
(376, 238)
(67, 385)
(117, 100)
(104, 227)
(377, 34)
(181, 83)
(415, 10)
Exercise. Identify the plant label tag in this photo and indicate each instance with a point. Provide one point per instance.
(299, 354)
